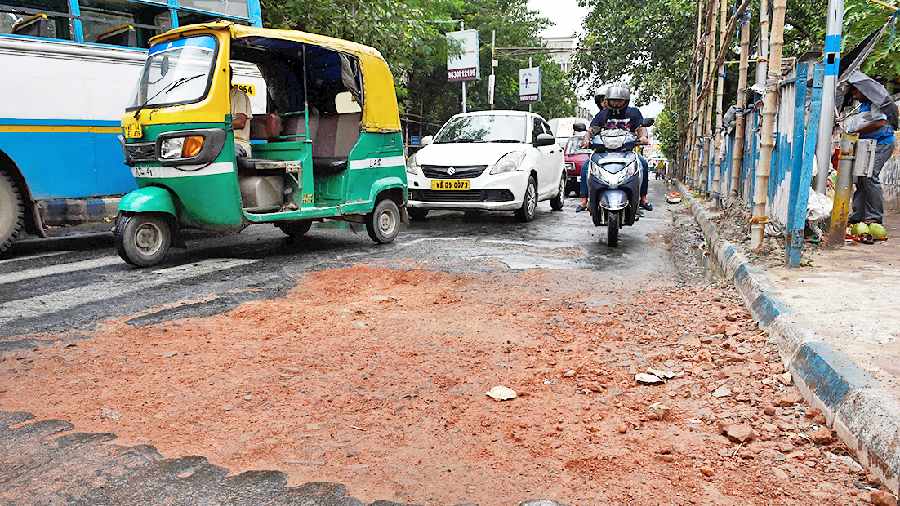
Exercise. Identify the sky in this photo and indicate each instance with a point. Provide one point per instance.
(567, 17)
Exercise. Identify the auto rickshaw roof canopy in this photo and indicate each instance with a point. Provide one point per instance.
(380, 111)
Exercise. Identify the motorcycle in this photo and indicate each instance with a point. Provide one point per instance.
(614, 182)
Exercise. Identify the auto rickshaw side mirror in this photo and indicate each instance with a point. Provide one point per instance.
(648, 122)
(579, 127)
(428, 139)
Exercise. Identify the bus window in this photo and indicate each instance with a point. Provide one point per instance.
(123, 23)
(36, 18)
(236, 8)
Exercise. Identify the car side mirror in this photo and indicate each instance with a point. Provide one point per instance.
(428, 139)
(579, 127)
(544, 140)
(648, 122)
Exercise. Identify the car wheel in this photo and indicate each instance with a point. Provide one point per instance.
(12, 211)
(417, 214)
(556, 203)
(143, 239)
(529, 203)
(383, 224)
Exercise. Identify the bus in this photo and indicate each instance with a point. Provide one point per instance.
(72, 66)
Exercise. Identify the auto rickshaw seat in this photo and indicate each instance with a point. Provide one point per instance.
(265, 126)
(337, 134)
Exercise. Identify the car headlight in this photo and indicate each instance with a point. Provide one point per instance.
(508, 162)
(181, 147)
(412, 166)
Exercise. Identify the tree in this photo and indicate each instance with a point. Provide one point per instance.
(411, 36)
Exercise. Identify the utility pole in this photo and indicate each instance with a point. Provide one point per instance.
(492, 79)
(832, 66)
(462, 26)
(529, 66)
(767, 135)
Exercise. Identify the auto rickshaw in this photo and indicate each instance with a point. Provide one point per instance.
(325, 140)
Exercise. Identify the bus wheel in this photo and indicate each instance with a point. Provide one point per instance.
(383, 224)
(143, 239)
(12, 211)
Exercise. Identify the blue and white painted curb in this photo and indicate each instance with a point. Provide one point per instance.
(862, 413)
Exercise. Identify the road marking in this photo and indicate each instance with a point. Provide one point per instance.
(50, 270)
(43, 305)
(41, 255)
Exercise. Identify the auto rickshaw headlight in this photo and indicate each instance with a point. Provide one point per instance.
(181, 147)
(192, 146)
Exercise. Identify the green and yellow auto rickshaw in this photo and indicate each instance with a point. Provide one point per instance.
(233, 125)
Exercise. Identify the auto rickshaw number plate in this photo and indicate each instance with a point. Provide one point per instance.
(133, 130)
(450, 184)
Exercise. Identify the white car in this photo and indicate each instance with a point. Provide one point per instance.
(489, 160)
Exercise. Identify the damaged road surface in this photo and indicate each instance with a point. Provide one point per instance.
(340, 373)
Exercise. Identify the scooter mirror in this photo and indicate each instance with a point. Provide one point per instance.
(648, 122)
(579, 127)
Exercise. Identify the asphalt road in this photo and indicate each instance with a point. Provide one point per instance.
(64, 287)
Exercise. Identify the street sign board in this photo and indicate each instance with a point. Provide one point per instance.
(530, 84)
(463, 66)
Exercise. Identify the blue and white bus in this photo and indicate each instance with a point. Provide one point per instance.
(71, 67)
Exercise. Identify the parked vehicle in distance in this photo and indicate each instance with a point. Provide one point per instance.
(575, 156)
(564, 128)
(489, 160)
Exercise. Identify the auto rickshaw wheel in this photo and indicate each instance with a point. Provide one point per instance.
(383, 224)
(417, 213)
(143, 240)
(295, 229)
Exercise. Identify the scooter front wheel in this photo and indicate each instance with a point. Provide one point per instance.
(143, 240)
(612, 229)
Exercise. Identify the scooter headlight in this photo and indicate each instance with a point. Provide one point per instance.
(508, 162)
(630, 169)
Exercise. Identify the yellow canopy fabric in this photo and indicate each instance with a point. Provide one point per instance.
(380, 111)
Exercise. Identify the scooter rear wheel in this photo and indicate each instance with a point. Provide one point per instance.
(143, 240)
(612, 229)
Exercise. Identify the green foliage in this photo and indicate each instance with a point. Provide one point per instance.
(861, 18)
(411, 36)
(666, 132)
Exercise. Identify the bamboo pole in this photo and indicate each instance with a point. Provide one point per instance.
(740, 121)
(762, 59)
(720, 101)
(767, 136)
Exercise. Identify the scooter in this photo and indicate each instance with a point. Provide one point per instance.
(614, 182)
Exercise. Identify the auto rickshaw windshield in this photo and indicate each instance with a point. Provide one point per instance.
(176, 72)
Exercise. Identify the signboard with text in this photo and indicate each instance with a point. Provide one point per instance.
(530, 84)
(462, 56)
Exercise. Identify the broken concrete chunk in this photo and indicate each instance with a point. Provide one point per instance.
(647, 379)
(501, 393)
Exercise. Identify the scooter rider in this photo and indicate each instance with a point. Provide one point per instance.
(618, 114)
(600, 100)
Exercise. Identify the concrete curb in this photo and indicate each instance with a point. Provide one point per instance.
(864, 415)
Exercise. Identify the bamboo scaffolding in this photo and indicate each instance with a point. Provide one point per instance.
(719, 143)
(740, 120)
(767, 136)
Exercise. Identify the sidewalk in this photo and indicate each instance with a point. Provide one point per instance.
(850, 298)
(837, 328)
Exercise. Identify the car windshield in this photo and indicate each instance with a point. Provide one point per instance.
(176, 72)
(483, 128)
(573, 147)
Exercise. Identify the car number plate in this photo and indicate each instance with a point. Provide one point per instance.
(133, 130)
(450, 184)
